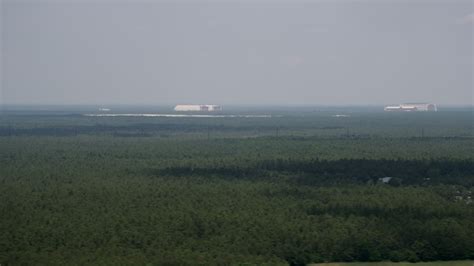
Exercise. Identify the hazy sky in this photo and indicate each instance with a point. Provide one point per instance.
(239, 52)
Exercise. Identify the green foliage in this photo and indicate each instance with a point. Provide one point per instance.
(169, 196)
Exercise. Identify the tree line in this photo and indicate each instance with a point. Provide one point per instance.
(345, 171)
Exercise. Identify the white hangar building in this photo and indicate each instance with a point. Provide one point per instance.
(197, 108)
(410, 107)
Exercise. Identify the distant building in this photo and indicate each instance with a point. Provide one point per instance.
(385, 180)
(197, 108)
(412, 107)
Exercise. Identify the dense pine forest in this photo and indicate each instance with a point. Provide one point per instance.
(291, 188)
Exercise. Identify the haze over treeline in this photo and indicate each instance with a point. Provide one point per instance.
(239, 52)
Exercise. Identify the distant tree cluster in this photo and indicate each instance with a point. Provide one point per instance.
(344, 171)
